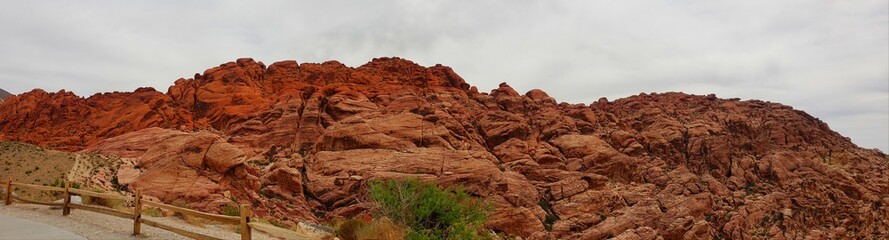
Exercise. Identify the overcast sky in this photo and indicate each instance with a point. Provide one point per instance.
(828, 58)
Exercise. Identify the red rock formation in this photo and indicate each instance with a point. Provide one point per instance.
(65, 121)
(301, 141)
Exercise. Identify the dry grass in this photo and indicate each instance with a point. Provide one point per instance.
(381, 229)
(112, 203)
(359, 229)
(152, 212)
(230, 210)
(195, 221)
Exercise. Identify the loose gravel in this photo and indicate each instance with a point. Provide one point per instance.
(99, 226)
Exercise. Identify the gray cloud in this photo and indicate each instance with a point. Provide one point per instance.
(829, 58)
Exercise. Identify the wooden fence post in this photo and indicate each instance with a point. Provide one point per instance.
(245, 218)
(9, 190)
(137, 213)
(65, 208)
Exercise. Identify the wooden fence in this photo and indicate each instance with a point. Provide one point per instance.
(246, 226)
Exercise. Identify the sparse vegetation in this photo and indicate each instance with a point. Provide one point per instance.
(427, 211)
(381, 228)
(112, 203)
(116, 185)
(550, 216)
(153, 212)
(32, 164)
(230, 210)
(750, 188)
(61, 183)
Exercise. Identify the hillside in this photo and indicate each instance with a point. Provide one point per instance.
(36, 165)
(300, 142)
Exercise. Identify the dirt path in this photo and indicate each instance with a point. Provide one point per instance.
(17, 228)
(98, 226)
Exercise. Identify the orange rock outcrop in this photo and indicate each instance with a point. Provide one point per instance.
(300, 142)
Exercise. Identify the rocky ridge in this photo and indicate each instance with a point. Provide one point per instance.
(300, 141)
(3, 95)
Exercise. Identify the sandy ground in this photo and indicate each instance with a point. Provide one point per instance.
(98, 226)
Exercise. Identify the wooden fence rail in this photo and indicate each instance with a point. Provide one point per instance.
(37, 187)
(243, 220)
(99, 195)
(36, 202)
(186, 211)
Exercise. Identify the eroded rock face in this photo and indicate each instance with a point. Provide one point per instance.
(301, 141)
(65, 121)
(199, 169)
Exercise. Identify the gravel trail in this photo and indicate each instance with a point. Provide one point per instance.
(98, 226)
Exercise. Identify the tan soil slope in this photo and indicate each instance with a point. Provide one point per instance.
(32, 164)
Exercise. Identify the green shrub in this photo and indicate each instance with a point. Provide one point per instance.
(229, 210)
(550, 216)
(61, 184)
(431, 212)
(116, 185)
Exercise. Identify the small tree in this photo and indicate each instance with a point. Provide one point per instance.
(431, 212)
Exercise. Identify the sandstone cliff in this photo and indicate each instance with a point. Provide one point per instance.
(300, 141)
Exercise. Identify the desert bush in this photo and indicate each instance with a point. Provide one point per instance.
(382, 228)
(362, 229)
(153, 212)
(348, 229)
(112, 203)
(230, 210)
(116, 185)
(430, 212)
